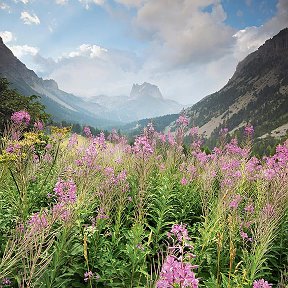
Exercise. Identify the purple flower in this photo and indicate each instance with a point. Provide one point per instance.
(88, 275)
(261, 283)
(235, 202)
(38, 125)
(65, 191)
(184, 181)
(249, 130)
(142, 146)
(180, 232)
(194, 131)
(6, 282)
(38, 222)
(182, 120)
(20, 117)
(87, 131)
(176, 272)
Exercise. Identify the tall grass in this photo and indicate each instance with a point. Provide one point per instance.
(92, 212)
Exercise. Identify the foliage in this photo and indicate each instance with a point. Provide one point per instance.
(103, 213)
(11, 100)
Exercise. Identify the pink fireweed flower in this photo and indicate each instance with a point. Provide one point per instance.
(87, 131)
(88, 275)
(177, 272)
(38, 222)
(235, 202)
(38, 125)
(194, 131)
(21, 117)
(249, 130)
(184, 181)
(65, 191)
(142, 146)
(249, 208)
(223, 131)
(268, 210)
(60, 211)
(180, 232)
(182, 120)
(6, 282)
(261, 283)
(73, 141)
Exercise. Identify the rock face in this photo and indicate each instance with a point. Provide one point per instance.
(144, 91)
(145, 101)
(256, 93)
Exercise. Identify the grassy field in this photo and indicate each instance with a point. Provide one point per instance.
(96, 212)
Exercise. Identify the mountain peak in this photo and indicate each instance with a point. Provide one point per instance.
(145, 90)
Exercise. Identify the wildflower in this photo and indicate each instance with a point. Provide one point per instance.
(21, 117)
(6, 282)
(184, 181)
(235, 202)
(176, 272)
(180, 232)
(65, 191)
(142, 146)
(88, 275)
(38, 125)
(38, 222)
(194, 131)
(223, 131)
(73, 141)
(249, 130)
(60, 210)
(182, 120)
(261, 283)
(249, 208)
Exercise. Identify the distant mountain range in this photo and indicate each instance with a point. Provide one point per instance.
(257, 93)
(102, 111)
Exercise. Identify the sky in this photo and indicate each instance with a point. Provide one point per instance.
(188, 48)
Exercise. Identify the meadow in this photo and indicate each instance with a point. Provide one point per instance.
(96, 212)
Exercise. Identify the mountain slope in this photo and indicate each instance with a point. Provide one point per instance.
(61, 105)
(257, 93)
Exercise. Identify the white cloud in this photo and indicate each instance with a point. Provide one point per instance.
(20, 51)
(6, 36)
(87, 3)
(61, 2)
(91, 51)
(4, 6)
(29, 19)
(250, 38)
(128, 3)
(185, 33)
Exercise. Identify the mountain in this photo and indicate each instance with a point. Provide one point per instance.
(61, 105)
(144, 101)
(257, 93)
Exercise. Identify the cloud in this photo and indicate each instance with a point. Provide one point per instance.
(29, 19)
(135, 3)
(91, 51)
(61, 2)
(185, 33)
(4, 6)
(87, 3)
(250, 38)
(6, 36)
(20, 51)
